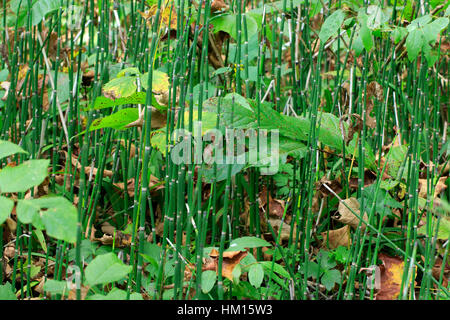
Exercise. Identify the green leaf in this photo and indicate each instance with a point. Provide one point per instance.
(208, 280)
(376, 17)
(431, 30)
(41, 8)
(422, 33)
(63, 89)
(8, 148)
(240, 244)
(395, 159)
(106, 268)
(443, 230)
(278, 268)
(56, 214)
(115, 294)
(120, 87)
(384, 202)
(292, 148)
(6, 292)
(236, 273)
(131, 71)
(41, 239)
(158, 140)
(24, 176)
(366, 36)
(314, 270)
(117, 120)
(104, 102)
(56, 287)
(358, 45)
(256, 275)
(331, 25)
(398, 34)
(6, 206)
(227, 23)
(325, 260)
(330, 278)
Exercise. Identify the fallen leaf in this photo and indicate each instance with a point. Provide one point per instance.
(391, 277)
(338, 237)
(230, 260)
(347, 217)
(285, 229)
(423, 187)
(73, 292)
(218, 5)
(436, 271)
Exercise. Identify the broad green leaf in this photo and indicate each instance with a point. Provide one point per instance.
(431, 30)
(414, 43)
(26, 175)
(329, 131)
(115, 294)
(398, 34)
(120, 87)
(331, 25)
(314, 270)
(158, 140)
(63, 89)
(422, 33)
(383, 203)
(4, 75)
(41, 8)
(395, 159)
(240, 244)
(131, 71)
(376, 17)
(208, 280)
(60, 218)
(325, 260)
(41, 239)
(366, 37)
(330, 278)
(56, 214)
(56, 287)
(117, 120)
(369, 156)
(256, 275)
(104, 102)
(227, 23)
(8, 148)
(443, 232)
(6, 292)
(292, 147)
(278, 268)
(419, 22)
(358, 45)
(236, 273)
(106, 268)
(6, 206)
(87, 249)
(221, 71)
(221, 172)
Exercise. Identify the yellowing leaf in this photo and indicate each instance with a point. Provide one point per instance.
(391, 277)
(160, 82)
